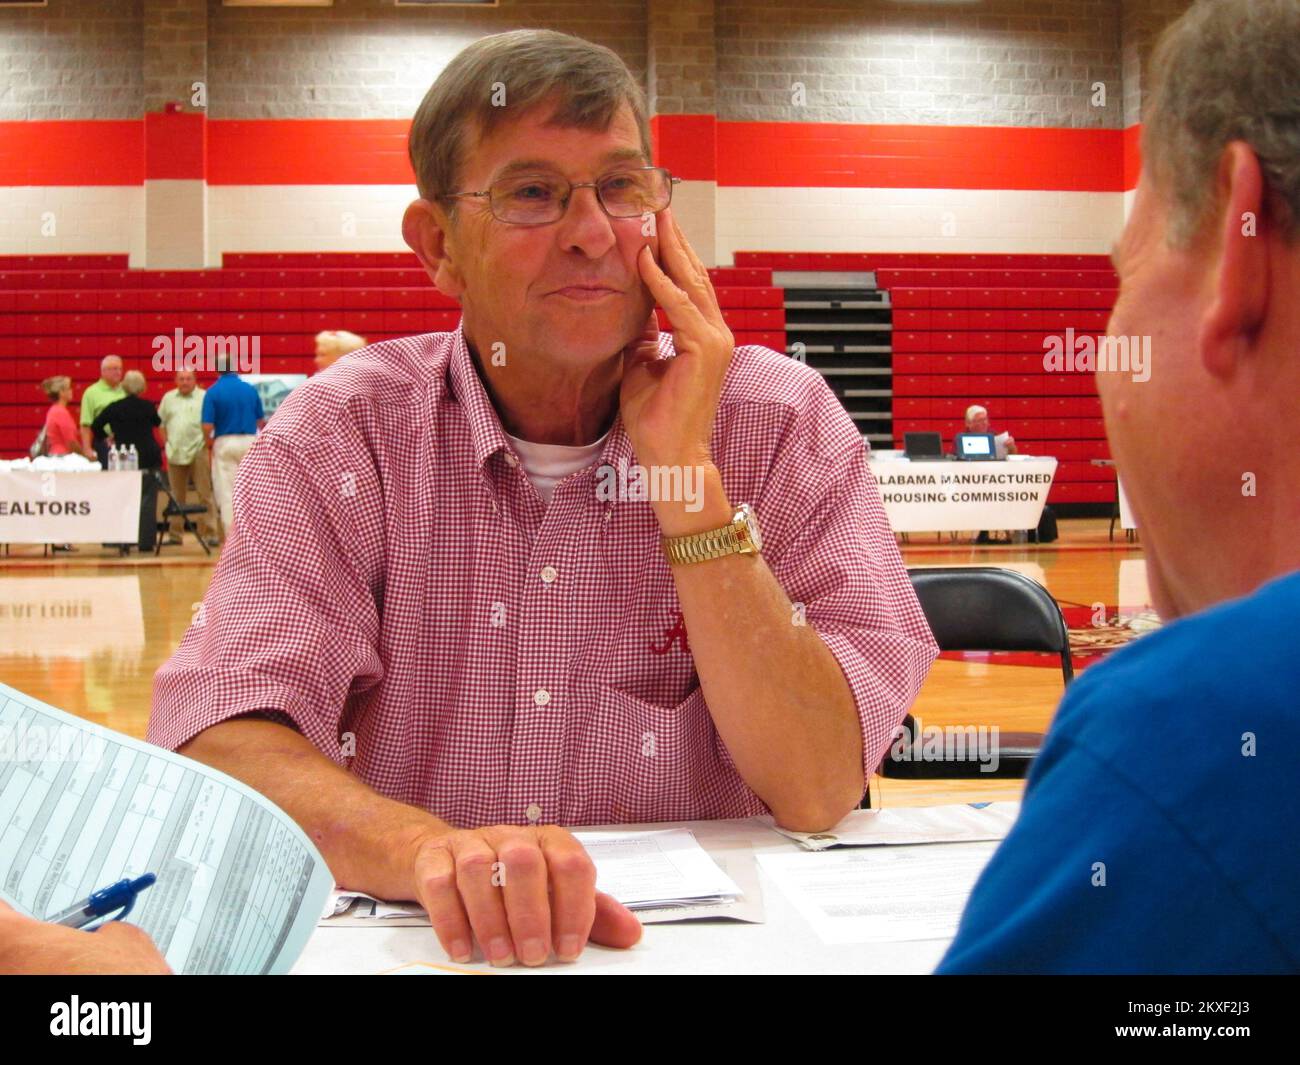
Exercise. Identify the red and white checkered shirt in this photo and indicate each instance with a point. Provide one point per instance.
(395, 588)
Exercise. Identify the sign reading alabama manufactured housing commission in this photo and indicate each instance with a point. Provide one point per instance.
(948, 496)
(66, 507)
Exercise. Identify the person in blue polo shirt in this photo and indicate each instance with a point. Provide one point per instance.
(1157, 833)
(232, 415)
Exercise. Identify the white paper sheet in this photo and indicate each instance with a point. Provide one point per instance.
(958, 823)
(881, 894)
(665, 875)
(655, 868)
(239, 884)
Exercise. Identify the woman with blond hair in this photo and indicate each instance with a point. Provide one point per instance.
(332, 345)
(61, 434)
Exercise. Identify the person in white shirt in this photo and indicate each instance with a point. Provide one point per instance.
(977, 421)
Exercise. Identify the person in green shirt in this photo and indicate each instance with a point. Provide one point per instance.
(181, 412)
(108, 389)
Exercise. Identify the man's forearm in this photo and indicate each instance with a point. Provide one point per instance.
(777, 695)
(86, 439)
(367, 839)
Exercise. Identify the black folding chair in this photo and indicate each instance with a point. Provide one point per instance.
(185, 511)
(982, 608)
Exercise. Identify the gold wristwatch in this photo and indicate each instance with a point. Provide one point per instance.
(741, 537)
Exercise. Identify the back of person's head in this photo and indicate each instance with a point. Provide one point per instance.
(333, 344)
(1207, 317)
(1227, 70)
(54, 386)
(133, 382)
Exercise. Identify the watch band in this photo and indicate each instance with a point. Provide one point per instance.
(735, 538)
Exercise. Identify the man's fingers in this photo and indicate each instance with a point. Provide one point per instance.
(476, 864)
(435, 878)
(679, 307)
(520, 873)
(573, 892)
(615, 924)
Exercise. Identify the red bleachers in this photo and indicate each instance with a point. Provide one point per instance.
(62, 314)
(971, 328)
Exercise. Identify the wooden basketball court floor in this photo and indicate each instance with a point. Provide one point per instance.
(85, 632)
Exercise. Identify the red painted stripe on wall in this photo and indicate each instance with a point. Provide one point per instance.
(793, 154)
(687, 145)
(328, 151)
(175, 146)
(1132, 156)
(72, 152)
(697, 147)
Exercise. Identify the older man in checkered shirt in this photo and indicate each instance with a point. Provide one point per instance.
(448, 621)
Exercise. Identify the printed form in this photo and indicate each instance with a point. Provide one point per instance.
(239, 886)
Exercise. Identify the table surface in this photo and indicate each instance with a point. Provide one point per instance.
(784, 944)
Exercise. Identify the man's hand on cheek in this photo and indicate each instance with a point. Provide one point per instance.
(669, 406)
(523, 892)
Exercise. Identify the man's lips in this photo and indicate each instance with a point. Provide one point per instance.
(586, 292)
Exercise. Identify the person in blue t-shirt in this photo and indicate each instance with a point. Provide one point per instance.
(232, 415)
(1158, 827)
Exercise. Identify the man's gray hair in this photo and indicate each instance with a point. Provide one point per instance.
(1226, 70)
(502, 76)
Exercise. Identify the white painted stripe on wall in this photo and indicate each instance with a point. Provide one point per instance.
(369, 218)
(923, 220)
(306, 218)
(72, 220)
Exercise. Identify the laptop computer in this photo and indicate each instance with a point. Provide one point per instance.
(923, 446)
(975, 447)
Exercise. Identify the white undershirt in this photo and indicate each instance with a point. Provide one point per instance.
(548, 464)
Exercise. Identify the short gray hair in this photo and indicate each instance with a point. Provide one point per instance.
(133, 382)
(1226, 70)
(589, 82)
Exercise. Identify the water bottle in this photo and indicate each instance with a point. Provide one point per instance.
(114, 458)
(132, 458)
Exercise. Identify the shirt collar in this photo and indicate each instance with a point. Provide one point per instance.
(485, 427)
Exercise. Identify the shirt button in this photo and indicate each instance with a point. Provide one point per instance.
(541, 697)
(549, 574)
(533, 813)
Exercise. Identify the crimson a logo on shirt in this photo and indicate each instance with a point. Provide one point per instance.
(671, 635)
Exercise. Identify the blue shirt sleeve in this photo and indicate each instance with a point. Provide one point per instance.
(208, 416)
(257, 405)
(1095, 877)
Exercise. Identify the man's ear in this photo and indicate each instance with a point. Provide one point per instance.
(425, 228)
(1240, 284)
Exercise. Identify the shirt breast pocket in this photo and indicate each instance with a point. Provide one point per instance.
(663, 762)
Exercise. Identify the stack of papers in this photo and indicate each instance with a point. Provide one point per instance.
(662, 875)
(656, 870)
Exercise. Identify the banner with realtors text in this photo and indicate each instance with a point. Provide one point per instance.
(65, 507)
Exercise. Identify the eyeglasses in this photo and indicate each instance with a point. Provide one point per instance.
(539, 199)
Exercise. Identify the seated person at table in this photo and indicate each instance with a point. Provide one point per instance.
(1157, 831)
(977, 421)
(446, 624)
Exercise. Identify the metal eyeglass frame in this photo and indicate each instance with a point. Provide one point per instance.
(593, 185)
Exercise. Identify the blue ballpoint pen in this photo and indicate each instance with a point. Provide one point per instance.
(119, 896)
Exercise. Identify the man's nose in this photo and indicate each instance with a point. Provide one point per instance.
(585, 226)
